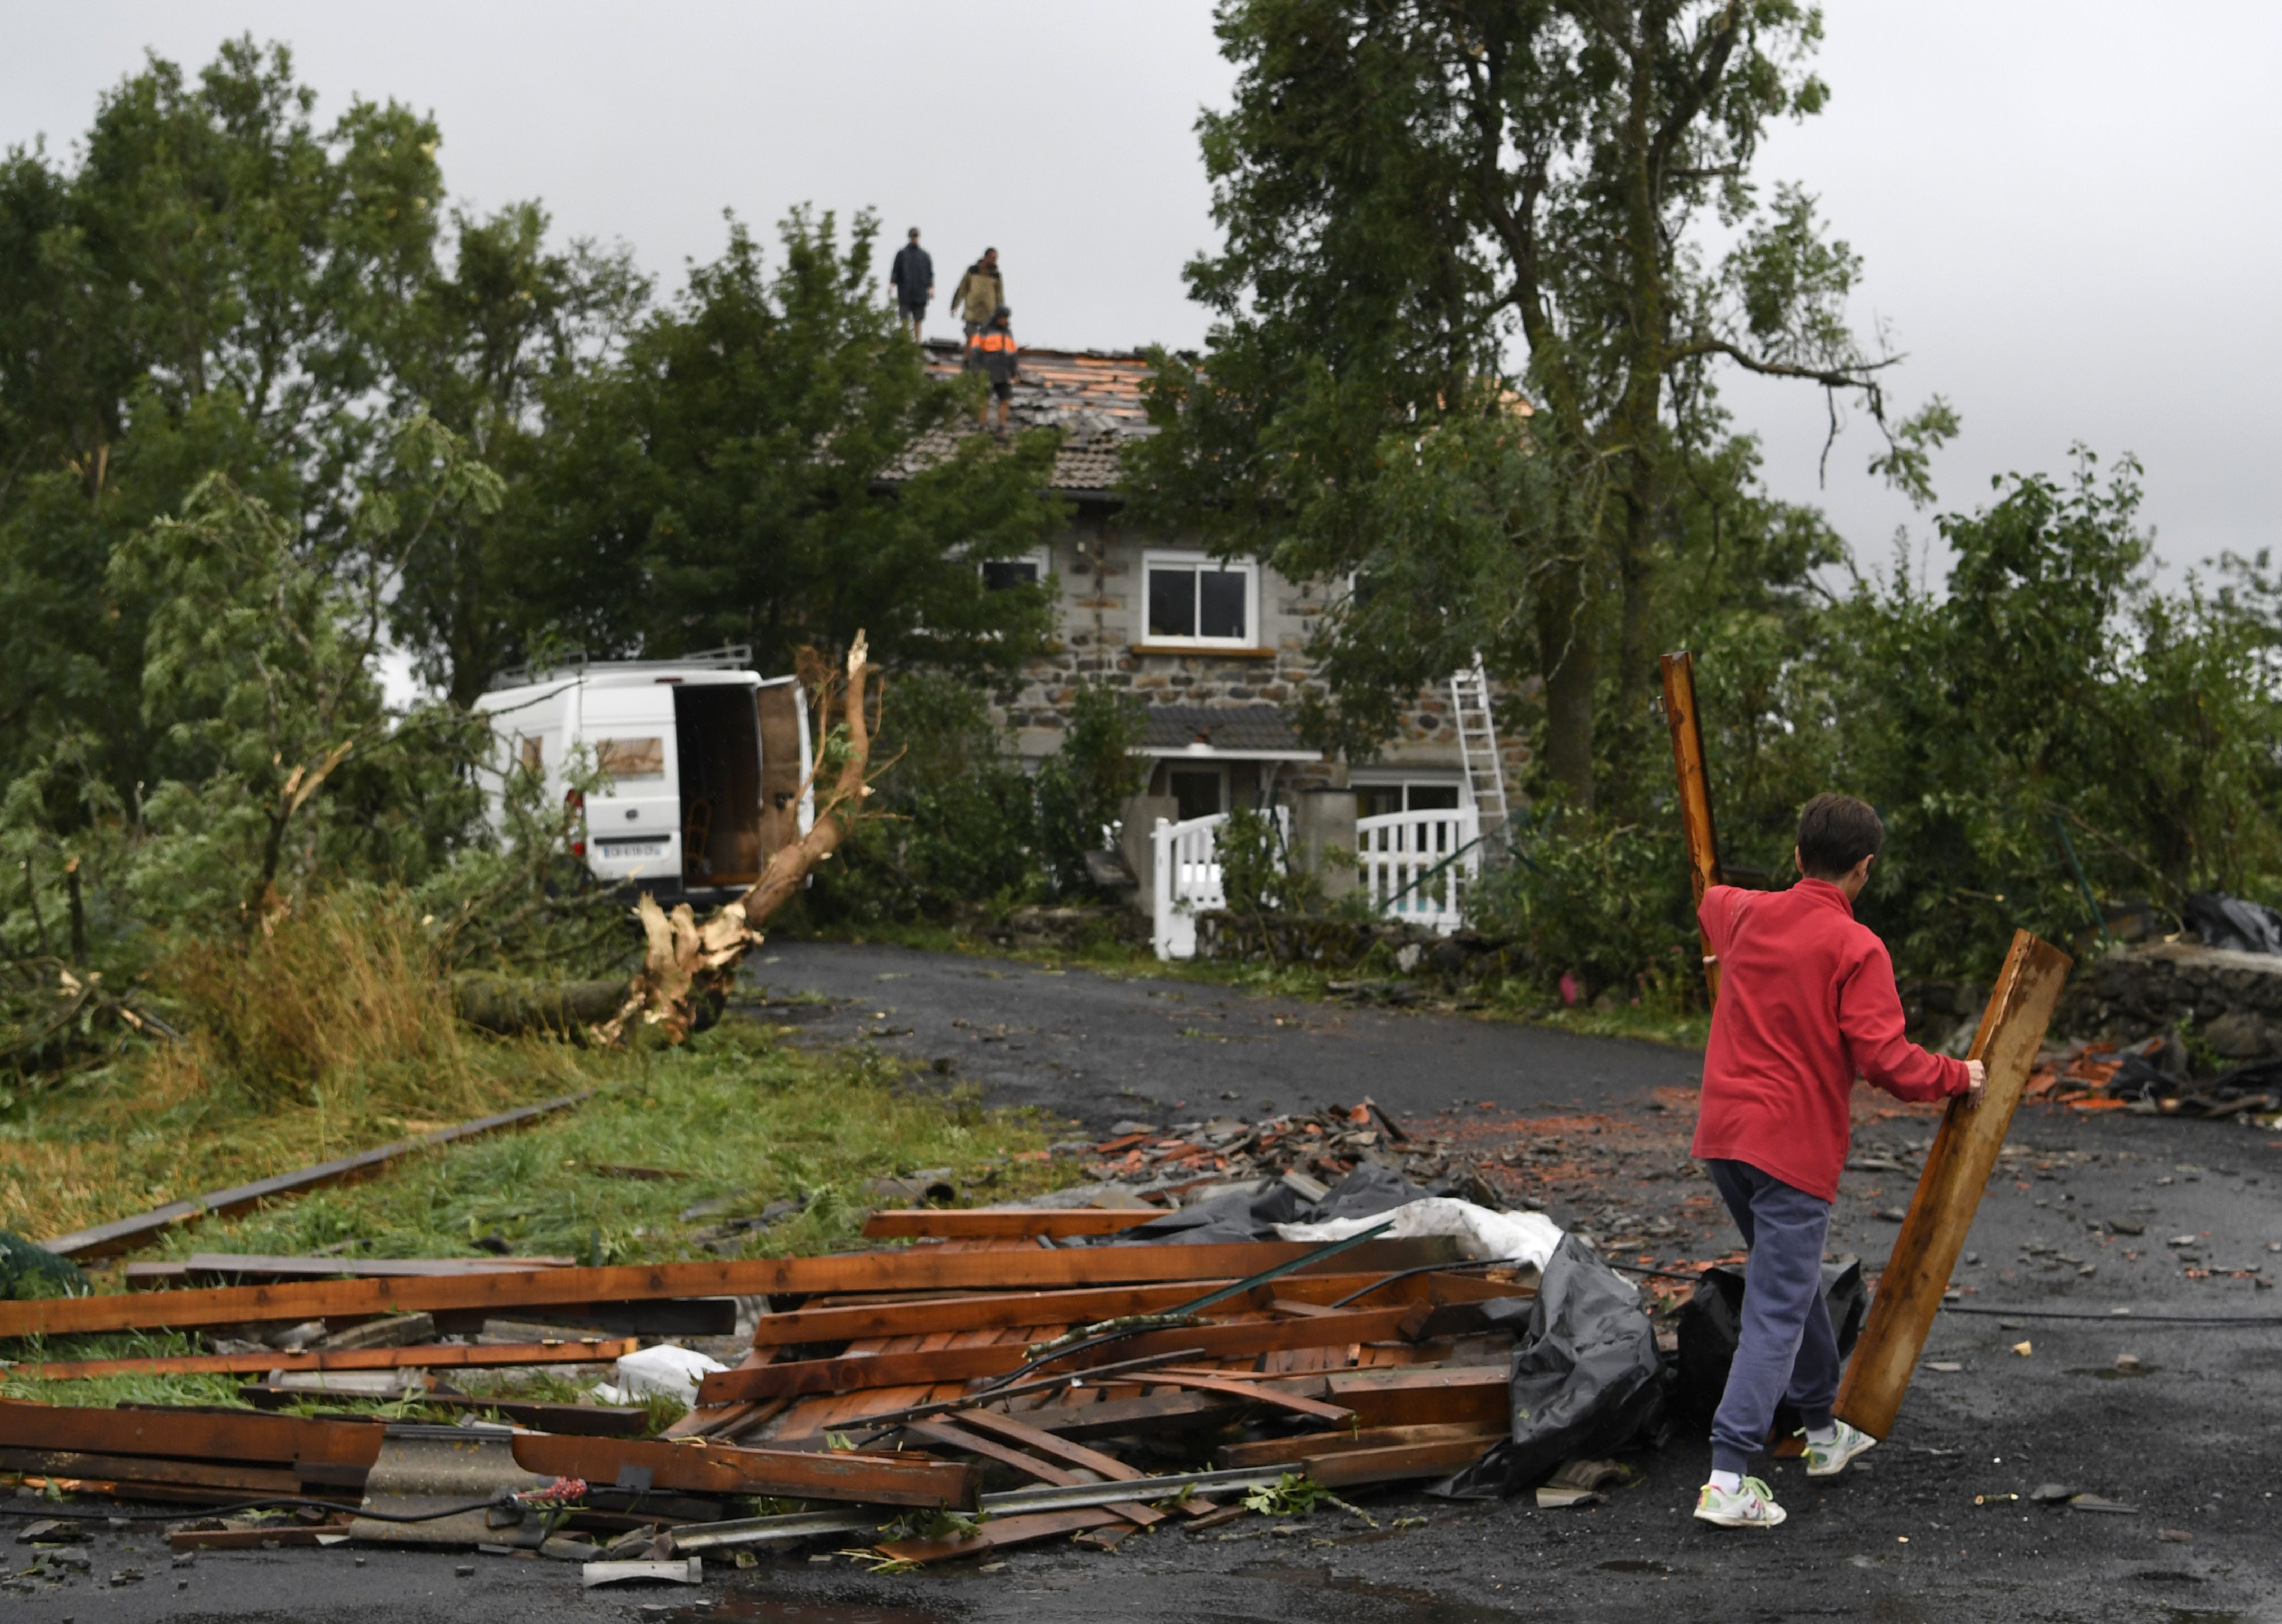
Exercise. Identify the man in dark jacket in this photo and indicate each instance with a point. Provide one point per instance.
(912, 277)
(991, 353)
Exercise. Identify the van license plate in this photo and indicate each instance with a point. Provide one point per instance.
(618, 851)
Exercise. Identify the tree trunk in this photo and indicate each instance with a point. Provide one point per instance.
(1565, 638)
(689, 966)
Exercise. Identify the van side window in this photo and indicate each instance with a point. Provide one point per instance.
(630, 758)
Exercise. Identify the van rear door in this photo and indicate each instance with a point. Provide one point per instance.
(634, 825)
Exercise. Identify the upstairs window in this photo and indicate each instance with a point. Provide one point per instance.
(1201, 602)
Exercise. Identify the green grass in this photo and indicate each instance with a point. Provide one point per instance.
(736, 1117)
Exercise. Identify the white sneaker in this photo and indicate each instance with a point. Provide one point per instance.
(1751, 1506)
(1830, 1459)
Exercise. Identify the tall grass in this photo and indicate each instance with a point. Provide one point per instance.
(332, 1032)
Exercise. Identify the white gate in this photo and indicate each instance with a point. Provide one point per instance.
(1416, 866)
(1188, 879)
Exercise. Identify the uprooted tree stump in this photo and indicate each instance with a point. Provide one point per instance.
(688, 964)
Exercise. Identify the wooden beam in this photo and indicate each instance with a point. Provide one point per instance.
(1261, 1392)
(1297, 1450)
(146, 1275)
(1000, 1222)
(440, 1357)
(1948, 1190)
(950, 1435)
(914, 1269)
(869, 1478)
(192, 1434)
(126, 1234)
(1435, 1394)
(888, 1370)
(1681, 714)
(1003, 1310)
(1152, 1416)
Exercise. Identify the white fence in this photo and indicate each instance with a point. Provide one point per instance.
(1416, 866)
(1188, 879)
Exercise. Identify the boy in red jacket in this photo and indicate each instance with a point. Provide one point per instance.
(1807, 1001)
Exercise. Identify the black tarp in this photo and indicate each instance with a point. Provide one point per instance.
(1586, 1378)
(1369, 1190)
(2223, 921)
(1712, 1323)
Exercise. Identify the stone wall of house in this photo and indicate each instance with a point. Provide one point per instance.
(2234, 999)
(1099, 566)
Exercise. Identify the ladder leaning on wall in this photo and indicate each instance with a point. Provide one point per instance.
(1469, 706)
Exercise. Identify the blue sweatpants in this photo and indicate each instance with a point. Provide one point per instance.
(1787, 1348)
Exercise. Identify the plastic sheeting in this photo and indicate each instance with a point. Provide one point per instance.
(2223, 921)
(1523, 1237)
(1586, 1378)
(674, 1371)
(1367, 1191)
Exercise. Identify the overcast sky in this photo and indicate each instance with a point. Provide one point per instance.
(2054, 197)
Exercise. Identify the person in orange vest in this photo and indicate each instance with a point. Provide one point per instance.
(992, 351)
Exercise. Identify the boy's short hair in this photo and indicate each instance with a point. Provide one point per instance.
(1835, 834)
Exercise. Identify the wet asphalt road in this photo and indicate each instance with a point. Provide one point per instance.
(2189, 1442)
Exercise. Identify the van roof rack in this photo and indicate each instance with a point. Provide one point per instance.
(731, 657)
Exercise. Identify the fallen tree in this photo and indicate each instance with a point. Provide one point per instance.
(689, 966)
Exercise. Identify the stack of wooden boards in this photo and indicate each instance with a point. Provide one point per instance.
(903, 1377)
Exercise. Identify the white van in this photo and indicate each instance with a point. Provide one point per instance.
(708, 763)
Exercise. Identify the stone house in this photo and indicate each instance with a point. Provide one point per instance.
(1217, 650)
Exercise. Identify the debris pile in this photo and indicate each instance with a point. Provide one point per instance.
(1013, 1374)
(1308, 1151)
(2156, 1078)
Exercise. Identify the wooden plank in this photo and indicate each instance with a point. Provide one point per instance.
(997, 1535)
(191, 1434)
(448, 1356)
(1414, 1395)
(593, 1421)
(125, 1234)
(249, 1539)
(837, 1322)
(1682, 715)
(1260, 1393)
(246, 1481)
(847, 1374)
(1345, 1469)
(950, 1435)
(242, 1266)
(917, 1269)
(871, 1477)
(1096, 1417)
(1297, 1450)
(1948, 1192)
(979, 1222)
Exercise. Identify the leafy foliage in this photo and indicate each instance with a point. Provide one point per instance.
(1083, 786)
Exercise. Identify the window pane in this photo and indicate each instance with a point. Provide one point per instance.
(998, 574)
(1222, 593)
(1172, 603)
(1196, 794)
(1433, 797)
(1378, 799)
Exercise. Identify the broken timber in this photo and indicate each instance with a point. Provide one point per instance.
(1948, 1190)
(994, 1223)
(928, 1269)
(125, 1234)
(443, 1355)
(1681, 714)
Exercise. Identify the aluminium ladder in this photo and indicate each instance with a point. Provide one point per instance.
(1478, 750)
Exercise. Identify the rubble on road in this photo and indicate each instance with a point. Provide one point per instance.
(2156, 1077)
(1015, 1373)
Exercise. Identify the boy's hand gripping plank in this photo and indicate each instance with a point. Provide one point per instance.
(1948, 1190)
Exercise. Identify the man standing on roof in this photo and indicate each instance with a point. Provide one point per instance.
(982, 293)
(992, 351)
(912, 277)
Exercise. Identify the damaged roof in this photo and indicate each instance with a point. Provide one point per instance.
(1093, 395)
(1223, 729)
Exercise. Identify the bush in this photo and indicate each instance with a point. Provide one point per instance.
(1611, 906)
(1083, 786)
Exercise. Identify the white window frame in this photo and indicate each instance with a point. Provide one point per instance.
(1154, 561)
(1389, 779)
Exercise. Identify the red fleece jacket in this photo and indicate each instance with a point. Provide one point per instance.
(1807, 1001)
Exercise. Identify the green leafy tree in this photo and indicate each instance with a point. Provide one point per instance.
(1083, 786)
(1434, 209)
